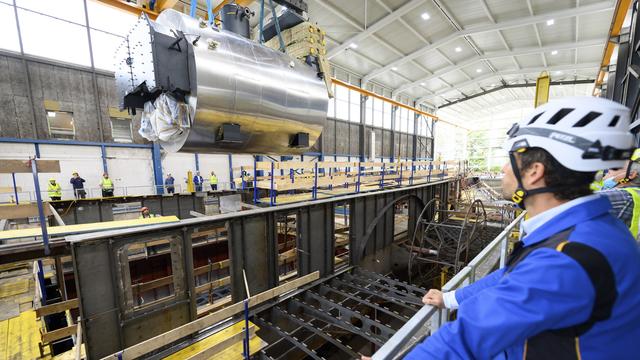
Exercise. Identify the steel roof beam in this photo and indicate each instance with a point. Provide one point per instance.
(377, 26)
(505, 73)
(501, 54)
(517, 22)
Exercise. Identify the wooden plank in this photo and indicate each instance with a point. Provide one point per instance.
(23, 336)
(84, 228)
(286, 256)
(21, 211)
(210, 267)
(213, 340)
(9, 189)
(178, 333)
(216, 305)
(214, 284)
(57, 307)
(58, 334)
(336, 164)
(24, 166)
(210, 352)
(153, 284)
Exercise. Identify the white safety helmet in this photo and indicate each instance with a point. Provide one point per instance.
(582, 133)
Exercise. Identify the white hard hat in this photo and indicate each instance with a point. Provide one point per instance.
(582, 133)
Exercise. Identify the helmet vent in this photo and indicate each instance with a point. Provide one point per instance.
(559, 115)
(535, 118)
(587, 119)
(614, 121)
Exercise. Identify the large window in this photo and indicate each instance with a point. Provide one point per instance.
(57, 29)
(52, 38)
(9, 38)
(377, 112)
(354, 106)
(121, 130)
(368, 116)
(61, 125)
(386, 116)
(342, 103)
(411, 116)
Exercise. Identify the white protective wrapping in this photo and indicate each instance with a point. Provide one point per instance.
(165, 119)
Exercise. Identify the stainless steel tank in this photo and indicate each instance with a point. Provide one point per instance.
(243, 97)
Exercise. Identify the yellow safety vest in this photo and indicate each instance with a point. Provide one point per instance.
(107, 184)
(54, 190)
(597, 185)
(635, 219)
(213, 180)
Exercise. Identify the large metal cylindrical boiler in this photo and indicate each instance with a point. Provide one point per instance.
(240, 96)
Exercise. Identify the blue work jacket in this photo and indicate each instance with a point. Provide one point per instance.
(548, 290)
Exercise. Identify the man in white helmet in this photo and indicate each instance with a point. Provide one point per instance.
(571, 287)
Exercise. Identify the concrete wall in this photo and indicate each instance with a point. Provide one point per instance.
(69, 87)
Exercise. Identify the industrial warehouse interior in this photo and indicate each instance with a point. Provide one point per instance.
(319, 179)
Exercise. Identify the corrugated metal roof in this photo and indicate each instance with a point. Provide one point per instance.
(457, 37)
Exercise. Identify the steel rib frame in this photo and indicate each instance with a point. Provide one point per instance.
(367, 322)
(337, 322)
(372, 293)
(390, 280)
(391, 313)
(267, 324)
(300, 322)
(390, 291)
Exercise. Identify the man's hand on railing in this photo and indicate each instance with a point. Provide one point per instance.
(434, 298)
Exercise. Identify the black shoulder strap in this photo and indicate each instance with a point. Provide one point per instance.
(520, 252)
(602, 278)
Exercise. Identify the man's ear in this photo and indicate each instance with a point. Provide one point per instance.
(535, 174)
(633, 174)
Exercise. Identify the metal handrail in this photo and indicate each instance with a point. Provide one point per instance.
(133, 190)
(413, 329)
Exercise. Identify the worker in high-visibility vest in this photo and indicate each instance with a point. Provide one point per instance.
(145, 213)
(213, 180)
(54, 189)
(107, 185)
(622, 187)
(598, 183)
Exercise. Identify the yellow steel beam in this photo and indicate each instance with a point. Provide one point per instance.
(383, 98)
(622, 7)
(129, 7)
(542, 89)
(165, 4)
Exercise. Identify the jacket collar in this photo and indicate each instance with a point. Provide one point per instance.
(570, 217)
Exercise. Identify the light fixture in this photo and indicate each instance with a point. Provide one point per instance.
(425, 16)
(51, 113)
(550, 22)
(559, 73)
(458, 49)
(478, 70)
(554, 52)
(422, 84)
(353, 45)
(394, 68)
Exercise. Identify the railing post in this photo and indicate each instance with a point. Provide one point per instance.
(503, 250)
